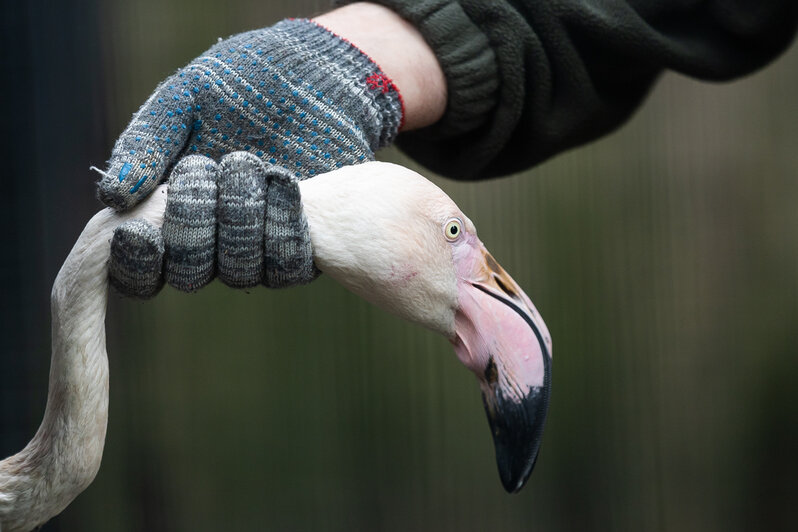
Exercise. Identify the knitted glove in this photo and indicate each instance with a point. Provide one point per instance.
(293, 95)
(241, 220)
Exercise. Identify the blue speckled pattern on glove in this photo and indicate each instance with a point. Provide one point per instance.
(293, 94)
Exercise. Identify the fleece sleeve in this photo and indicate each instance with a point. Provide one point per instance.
(528, 79)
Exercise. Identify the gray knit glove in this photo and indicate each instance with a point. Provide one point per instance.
(292, 95)
(240, 220)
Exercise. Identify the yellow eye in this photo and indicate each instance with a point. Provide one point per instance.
(453, 229)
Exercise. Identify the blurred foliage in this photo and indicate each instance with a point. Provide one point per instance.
(664, 259)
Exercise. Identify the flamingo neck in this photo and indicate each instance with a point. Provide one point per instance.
(63, 457)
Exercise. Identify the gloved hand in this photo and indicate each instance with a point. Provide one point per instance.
(293, 95)
(240, 219)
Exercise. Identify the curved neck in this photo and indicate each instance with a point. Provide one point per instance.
(63, 457)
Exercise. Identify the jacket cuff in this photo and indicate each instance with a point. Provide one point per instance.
(466, 58)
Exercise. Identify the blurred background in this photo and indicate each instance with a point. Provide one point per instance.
(664, 259)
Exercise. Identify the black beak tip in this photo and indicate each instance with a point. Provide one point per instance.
(513, 476)
(517, 429)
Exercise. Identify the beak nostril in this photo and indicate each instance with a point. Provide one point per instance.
(509, 291)
(491, 373)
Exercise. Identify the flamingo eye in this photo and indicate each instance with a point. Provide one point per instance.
(453, 229)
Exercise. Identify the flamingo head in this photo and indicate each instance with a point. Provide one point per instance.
(391, 236)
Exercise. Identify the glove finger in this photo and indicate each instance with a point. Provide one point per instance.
(189, 228)
(240, 210)
(288, 254)
(151, 143)
(134, 267)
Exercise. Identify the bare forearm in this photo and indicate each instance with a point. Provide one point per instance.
(400, 50)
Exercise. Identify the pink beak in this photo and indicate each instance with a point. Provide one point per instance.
(500, 336)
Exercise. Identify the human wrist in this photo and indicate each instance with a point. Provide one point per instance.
(401, 53)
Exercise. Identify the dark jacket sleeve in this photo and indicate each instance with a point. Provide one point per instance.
(528, 79)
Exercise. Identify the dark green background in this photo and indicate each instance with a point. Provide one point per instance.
(664, 259)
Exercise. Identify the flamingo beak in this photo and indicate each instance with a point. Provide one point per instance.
(500, 336)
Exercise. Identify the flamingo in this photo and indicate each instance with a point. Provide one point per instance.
(384, 232)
